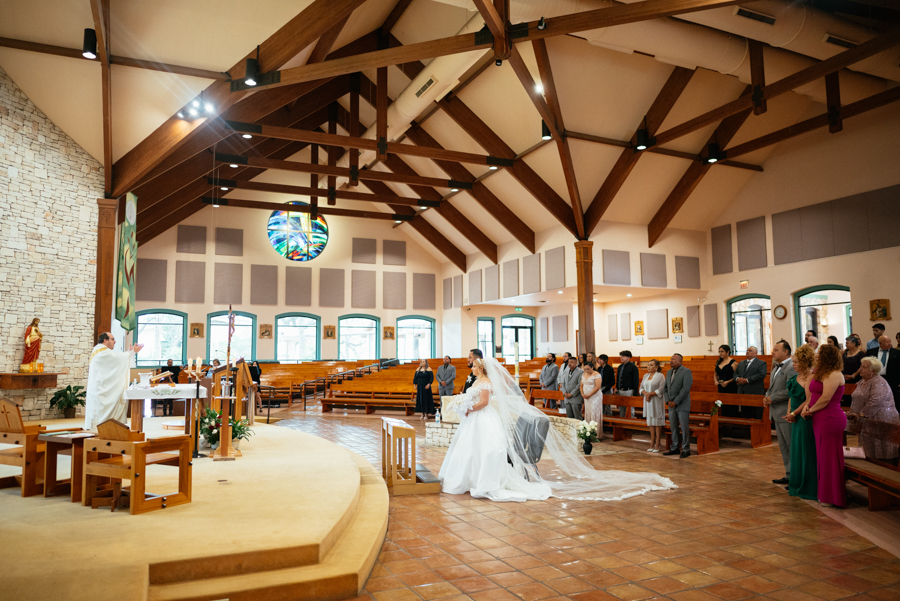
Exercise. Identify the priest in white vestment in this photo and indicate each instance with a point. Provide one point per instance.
(107, 380)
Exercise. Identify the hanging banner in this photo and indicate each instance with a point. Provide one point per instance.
(125, 309)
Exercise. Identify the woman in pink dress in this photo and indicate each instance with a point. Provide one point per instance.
(824, 392)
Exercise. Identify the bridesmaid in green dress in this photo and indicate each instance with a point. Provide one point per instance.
(804, 470)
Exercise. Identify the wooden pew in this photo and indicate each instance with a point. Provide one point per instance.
(537, 394)
(27, 454)
(760, 429)
(882, 479)
(371, 401)
(704, 426)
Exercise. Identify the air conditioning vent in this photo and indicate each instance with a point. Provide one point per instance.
(740, 11)
(431, 81)
(836, 41)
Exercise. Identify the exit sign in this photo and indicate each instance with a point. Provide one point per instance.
(518, 309)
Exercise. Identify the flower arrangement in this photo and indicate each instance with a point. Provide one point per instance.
(715, 408)
(211, 427)
(587, 431)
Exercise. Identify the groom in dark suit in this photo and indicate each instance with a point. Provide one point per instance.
(679, 380)
(475, 353)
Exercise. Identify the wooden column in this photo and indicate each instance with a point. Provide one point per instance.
(106, 258)
(584, 264)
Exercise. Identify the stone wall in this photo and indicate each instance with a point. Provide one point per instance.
(49, 188)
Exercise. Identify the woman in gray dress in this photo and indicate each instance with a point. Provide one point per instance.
(653, 390)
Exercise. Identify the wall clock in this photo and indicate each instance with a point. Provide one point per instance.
(780, 312)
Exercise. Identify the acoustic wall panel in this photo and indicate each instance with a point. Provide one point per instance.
(475, 287)
(331, 287)
(263, 285)
(693, 321)
(394, 252)
(817, 231)
(228, 284)
(457, 291)
(190, 282)
(721, 249)
(657, 325)
(393, 288)
(849, 225)
(653, 270)
(511, 278)
(229, 242)
(298, 286)
(448, 293)
(555, 268)
(711, 319)
(150, 282)
(362, 289)
(751, 241)
(687, 272)
(786, 237)
(191, 239)
(543, 327)
(363, 251)
(531, 274)
(424, 292)
(616, 267)
(611, 327)
(492, 283)
(883, 210)
(560, 325)
(625, 324)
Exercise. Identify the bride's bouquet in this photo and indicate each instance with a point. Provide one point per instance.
(587, 431)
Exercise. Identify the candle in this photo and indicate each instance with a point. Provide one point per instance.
(199, 363)
(190, 366)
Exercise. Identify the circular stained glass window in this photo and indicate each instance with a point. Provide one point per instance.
(296, 236)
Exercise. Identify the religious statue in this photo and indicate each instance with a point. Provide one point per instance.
(33, 339)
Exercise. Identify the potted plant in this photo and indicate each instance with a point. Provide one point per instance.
(67, 399)
(211, 428)
(587, 431)
(240, 431)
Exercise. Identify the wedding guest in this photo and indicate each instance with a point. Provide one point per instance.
(608, 381)
(853, 356)
(813, 342)
(582, 359)
(423, 379)
(750, 377)
(212, 368)
(592, 359)
(726, 380)
(627, 379)
(877, 332)
(679, 380)
(898, 339)
(809, 334)
(833, 341)
(829, 422)
(890, 365)
(873, 400)
(777, 398)
(549, 378)
(652, 389)
(592, 395)
(256, 375)
(803, 481)
(446, 374)
(563, 370)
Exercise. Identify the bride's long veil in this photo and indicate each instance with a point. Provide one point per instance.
(541, 453)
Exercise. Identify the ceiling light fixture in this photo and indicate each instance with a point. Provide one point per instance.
(493, 167)
(422, 208)
(539, 88)
(192, 111)
(209, 108)
(545, 131)
(195, 104)
(643, 139)
(629, 294)
(251, 70)
(180, 114)
(246, 136)
(233, 165)
(542, 25)
(560, 292)
(713, 155)
(223, 188)
(215, 206)
(397, 221)
(498, 62)
(89, 46)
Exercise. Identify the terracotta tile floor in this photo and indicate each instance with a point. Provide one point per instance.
(725, 533)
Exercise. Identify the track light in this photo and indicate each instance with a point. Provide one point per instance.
(498, 62)
(542, 25)
(545, 132)
(233, 165)
(195, 104)
(89, 47)
(422, 208)
(643, 139)
(246, 136)
(454, 189)
(629, 294)
(493, 167)
(193, 111)
(251, 72)
(712, 153)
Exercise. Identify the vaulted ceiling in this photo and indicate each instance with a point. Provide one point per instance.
(594, 99)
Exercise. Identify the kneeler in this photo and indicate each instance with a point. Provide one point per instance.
(27, 454)
(119, 454)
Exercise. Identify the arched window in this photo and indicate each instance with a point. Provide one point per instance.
(486, 336)
(824, 309)
(243, 341)
(750, 323)
(415, 338)
(518, 328)
(358, 337)
(296, 337)
(163, 333)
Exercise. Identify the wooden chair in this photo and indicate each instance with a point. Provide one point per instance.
(27, 454)
(120, 454)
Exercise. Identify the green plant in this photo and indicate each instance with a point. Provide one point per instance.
(68, 397)
(241, 430)
(211, 427)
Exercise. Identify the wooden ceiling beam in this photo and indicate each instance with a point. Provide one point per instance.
(696, 172)
(810, 74)
(232, 184)
(833, 101)
(628, 158)
(278, 206)
(496, 15)
(757, 75)
(301, 31)
(554, 26)
(100, 13)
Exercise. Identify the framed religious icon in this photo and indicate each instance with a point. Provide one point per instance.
(880, 309)
(639, 328)
(328, 333)
(265, 330)
(197, 330)
(678, 325)
(388, 333)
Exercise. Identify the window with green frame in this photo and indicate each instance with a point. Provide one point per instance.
(297, 337)
(415, 338)
(486, 335)
(358, 337)
(243, 341)
(517, 328)
(826, 310)
(163, 333)
(750, 323)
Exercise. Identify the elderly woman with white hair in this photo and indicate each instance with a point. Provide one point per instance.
(872, 399)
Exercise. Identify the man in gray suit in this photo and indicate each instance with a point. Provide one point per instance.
(750, 378)
(446, 373)
(571, 387)
(679, 380)
(778, 401)
(549, 377)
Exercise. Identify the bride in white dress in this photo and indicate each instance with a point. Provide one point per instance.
(502, 442)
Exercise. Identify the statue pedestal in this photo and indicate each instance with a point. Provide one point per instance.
(19, 381)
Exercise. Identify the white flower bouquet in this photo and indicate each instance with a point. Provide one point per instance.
(587, 431)
(716, 407)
